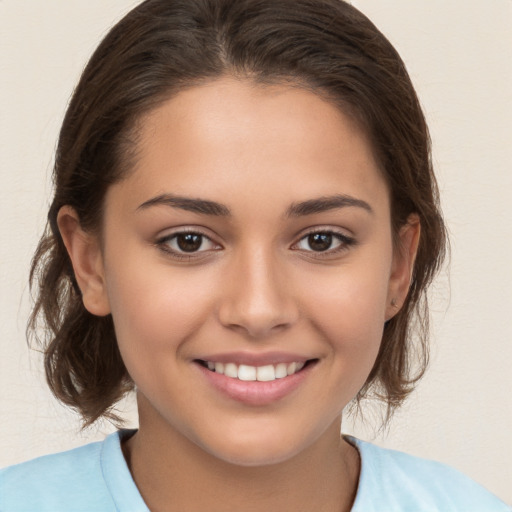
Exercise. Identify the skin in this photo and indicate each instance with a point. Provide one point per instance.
(256, 285)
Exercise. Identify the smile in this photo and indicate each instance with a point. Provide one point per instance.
(245, 372)
(260, 383)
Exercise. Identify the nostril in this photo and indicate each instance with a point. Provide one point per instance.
(257, 311)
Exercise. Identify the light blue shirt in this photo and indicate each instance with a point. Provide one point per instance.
(95, 478)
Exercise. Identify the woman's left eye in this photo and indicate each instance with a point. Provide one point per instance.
(187, 243)
(324, 242)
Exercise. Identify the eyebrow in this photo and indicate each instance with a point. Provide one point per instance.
(206, 207)
(323, 204)
(202, 206)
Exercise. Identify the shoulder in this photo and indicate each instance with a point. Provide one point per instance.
(394, 481)
(74, 480)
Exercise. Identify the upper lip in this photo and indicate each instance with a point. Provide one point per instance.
(254, 358)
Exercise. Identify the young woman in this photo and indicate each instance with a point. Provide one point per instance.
(244, 225)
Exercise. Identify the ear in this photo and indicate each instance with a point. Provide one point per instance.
(403, 265)
(84, 250)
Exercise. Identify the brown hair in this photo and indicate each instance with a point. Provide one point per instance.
(163, 46)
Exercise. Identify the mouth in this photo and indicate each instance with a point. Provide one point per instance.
(265, 373)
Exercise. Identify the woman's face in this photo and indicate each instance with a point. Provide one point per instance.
(253, 236)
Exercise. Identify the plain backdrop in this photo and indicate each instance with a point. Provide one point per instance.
(459, 55)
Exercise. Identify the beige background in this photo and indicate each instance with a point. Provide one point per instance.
(459, 54)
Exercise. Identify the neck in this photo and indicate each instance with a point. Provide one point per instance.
(173, 473)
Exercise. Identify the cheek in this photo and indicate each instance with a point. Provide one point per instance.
(350, 300)
(156, 307)
(349, 312)
(155, 314)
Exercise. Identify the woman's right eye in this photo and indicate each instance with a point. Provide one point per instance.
(187, 244)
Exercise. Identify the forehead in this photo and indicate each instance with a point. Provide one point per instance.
(232, 140)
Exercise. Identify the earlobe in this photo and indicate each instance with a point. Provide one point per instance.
(403, 265)
(84, 250)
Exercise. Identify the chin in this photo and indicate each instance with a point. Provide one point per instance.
(259, 446)
(255, 454)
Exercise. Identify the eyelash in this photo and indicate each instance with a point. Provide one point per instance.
(345, 242)
(163, 244)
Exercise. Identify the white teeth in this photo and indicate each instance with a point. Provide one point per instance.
(292, 367)
(246, 372)
(265, 373)
(230, 370)
(281, 370)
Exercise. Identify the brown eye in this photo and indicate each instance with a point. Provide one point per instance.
(189, 242)
(320, 241)
(328, 242)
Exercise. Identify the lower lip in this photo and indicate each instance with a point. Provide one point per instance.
(256, 392)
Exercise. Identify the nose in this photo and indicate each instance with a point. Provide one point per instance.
(258, 300)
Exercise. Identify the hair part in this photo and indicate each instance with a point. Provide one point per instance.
(164, 46)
